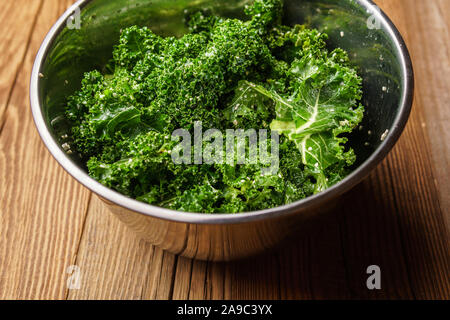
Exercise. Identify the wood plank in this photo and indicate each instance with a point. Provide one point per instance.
(430, 50)
(42, 209)
(371, 236)
(215, 281)
(18, 18)
(393, 220)
(312, 267)
(183, 276)
(160, 281)
(425, 27)
(115, 264)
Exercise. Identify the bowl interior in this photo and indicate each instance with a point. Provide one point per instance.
(349, 24)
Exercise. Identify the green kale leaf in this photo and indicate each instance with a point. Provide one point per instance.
(323, 106)
(229, 74)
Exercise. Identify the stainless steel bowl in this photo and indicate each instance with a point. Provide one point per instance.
(358, 26)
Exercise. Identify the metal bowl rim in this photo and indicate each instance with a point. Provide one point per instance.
(200, 218)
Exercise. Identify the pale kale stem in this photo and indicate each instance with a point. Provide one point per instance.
(313, 118)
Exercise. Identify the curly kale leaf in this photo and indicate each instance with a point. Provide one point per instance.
(226, 73)
(201, 22)
(322, 107)
(265, 14)
(104, 109)
(133, 166)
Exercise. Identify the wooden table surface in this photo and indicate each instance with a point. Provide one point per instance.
(397, 219)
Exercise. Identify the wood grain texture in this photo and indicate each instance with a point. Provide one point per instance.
(430, 51)
(42, 209)
(18, 19)
(397, 218)
(115, 264)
